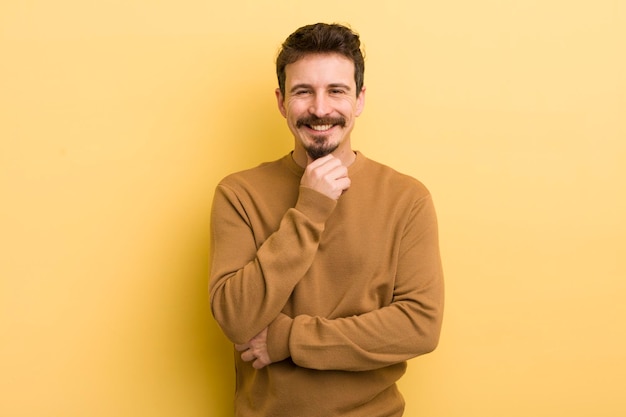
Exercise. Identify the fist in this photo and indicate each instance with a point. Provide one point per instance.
(326, 175)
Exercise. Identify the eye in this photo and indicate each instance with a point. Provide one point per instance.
(302, 92)
(337, 91)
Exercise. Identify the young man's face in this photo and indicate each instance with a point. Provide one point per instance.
(321, 102)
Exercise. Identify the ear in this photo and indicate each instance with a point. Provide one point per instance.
(281, 102)
(360, 102)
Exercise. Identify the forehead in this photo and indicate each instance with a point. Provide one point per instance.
(321, 69)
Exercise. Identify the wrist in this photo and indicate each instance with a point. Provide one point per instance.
(278, 334)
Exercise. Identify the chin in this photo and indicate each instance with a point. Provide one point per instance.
(316, 152)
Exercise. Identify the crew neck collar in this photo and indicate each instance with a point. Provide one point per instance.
(298, 170)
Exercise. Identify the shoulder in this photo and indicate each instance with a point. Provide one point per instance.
(388, 180)
(265, 173)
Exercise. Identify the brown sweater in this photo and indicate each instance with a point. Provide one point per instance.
(350, 289)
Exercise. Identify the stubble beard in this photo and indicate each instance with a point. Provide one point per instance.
(320, 147)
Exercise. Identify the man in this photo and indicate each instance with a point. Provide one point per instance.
(325, 269)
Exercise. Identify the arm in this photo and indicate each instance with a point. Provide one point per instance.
(407, 327)
(249, 286)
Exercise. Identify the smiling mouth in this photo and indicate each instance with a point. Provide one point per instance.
(321, 124)
(320, 128)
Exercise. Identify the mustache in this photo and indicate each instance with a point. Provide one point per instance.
(314, 120)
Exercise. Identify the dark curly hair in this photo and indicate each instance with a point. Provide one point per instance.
(321, 38)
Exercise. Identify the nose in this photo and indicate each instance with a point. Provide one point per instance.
(320, 105)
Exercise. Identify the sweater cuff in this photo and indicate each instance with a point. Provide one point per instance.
(314, 204)
(278, 338)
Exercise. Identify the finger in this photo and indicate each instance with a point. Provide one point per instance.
(242, 347)
(259, 364)
(247, 356)
(319, 161)
(343, 183)
(321, 169)
(337, 172)
(339, 187)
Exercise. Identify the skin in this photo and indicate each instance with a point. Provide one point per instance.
(322, 86)
(320, 105)
(256, 350)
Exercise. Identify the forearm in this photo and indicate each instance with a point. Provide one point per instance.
(379, 338)
(406, 327)
(250, 286)
(248, 299)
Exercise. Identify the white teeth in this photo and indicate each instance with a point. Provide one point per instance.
(321, 128)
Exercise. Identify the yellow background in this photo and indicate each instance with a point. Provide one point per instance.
(117, 119)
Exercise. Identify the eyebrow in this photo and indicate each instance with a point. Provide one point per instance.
(333, 85)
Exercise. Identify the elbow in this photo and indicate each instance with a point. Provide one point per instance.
(429, 343)
(433, 335)
(427, 335)
(236, 334)
(234, 329)
(424, 343)
(228, 316)
(430, 334)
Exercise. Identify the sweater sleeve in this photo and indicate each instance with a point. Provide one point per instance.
(249, 286)
(409, 326)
